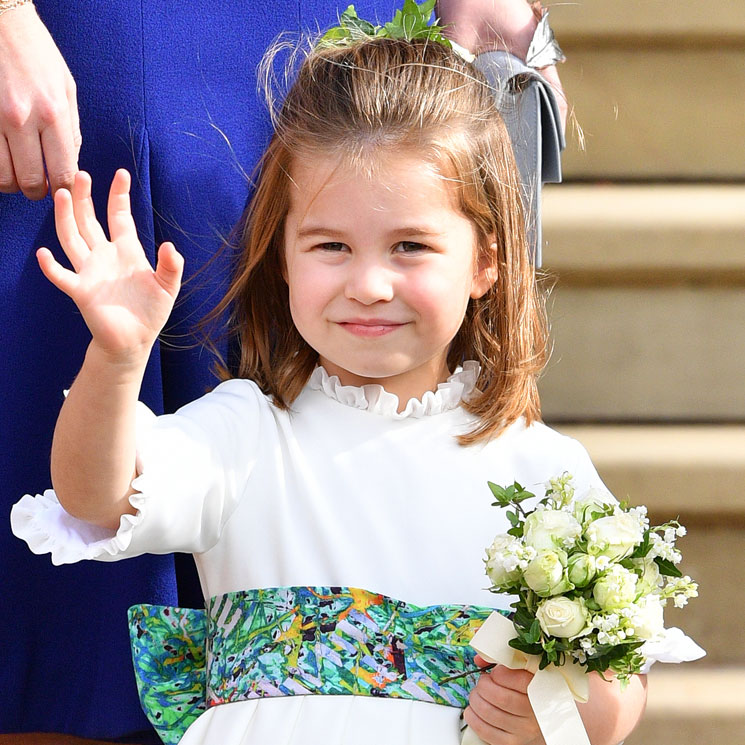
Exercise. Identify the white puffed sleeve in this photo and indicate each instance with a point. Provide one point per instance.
(193, 468)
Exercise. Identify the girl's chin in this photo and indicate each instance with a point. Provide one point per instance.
(416, 378)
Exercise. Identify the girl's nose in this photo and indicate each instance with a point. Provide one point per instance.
(369, 282)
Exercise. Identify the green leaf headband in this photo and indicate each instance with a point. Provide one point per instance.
(410, 22)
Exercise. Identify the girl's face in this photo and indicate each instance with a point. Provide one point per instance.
(380, 270)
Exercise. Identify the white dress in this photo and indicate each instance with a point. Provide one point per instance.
(341, 491)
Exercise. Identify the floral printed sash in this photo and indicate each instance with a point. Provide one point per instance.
(297, 641)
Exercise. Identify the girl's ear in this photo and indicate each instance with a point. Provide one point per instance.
(486, 271)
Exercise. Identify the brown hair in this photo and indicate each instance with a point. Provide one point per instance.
(358, 101)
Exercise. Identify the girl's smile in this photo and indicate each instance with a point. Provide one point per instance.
(380, 269)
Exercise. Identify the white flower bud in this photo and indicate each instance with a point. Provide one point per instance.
(545, 575)
(581, 569)
(615, 589)
(502, 566)
(649, 576)
(593, 500)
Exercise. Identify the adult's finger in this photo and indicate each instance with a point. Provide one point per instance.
(72, 100)
(8, 183)
(60, 154)
(28, 164)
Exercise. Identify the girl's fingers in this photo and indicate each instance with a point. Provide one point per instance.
(486, 731)
(75, 248)
(60, 277)
(85, 214)
(489, 697)
(121, 224)
(170, 268)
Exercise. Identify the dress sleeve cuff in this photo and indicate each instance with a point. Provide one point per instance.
(46, 527)
(42, 522)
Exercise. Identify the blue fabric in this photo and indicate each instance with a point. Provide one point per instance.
(153, 78)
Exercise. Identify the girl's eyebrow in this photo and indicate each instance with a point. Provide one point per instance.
(311, 230)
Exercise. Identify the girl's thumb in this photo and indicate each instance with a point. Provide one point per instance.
(169, 268)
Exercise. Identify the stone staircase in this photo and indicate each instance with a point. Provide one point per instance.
(645, 242)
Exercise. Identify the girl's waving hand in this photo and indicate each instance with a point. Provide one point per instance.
(124, 302)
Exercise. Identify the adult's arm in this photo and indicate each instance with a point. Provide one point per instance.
(38, 108)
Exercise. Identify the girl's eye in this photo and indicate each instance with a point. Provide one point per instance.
(332, 246)
(409, 247)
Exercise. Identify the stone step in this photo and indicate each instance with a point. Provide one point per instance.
(601, 21)
(646, 353)
(696, 470)
(647, 312)
(695, 473)
(654, 88)
(662, 233)
(693, 705)
(656, 112)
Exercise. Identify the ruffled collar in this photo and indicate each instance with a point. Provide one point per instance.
(374, 398)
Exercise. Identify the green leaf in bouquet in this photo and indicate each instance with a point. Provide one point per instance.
(517, 531)
(523, 618)
(667, 567)
(513, 494)
(534, 633)
(592, 604)
(514, 518)
(524, 647)
(643, 548)
(550, 652)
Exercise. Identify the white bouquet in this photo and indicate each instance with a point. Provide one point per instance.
(591, 577)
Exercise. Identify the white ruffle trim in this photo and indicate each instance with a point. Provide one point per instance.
(375, 399)
(672, 646)
(47, 528)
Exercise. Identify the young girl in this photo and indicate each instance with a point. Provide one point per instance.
(334, 491)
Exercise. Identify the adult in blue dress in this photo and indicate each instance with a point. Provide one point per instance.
(167, 90)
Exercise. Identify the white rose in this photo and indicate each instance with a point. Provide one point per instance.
(593, 500)
(502, 560)
(615, 536)
(647, 618)
(562, 617)
(546, 574)
(615, 589)
(548, 529)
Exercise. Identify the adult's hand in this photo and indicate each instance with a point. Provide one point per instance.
(486, 25)
(38, 108)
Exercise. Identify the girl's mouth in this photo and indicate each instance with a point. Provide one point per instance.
(371, 327)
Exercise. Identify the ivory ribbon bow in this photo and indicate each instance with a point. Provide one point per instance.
(552, 692)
